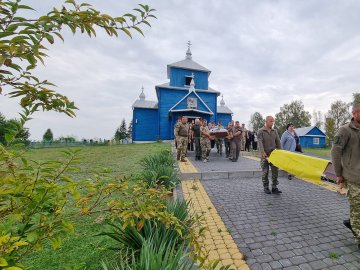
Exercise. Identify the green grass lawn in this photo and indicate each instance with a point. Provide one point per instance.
(322, 152)
(83, 247)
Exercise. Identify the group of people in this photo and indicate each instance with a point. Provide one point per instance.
(234, 138)
(345, 154)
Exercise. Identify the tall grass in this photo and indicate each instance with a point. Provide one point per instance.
(159, 169)
(154, 241)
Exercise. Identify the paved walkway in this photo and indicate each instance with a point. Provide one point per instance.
(299, 229)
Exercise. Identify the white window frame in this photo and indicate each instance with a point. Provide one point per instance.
(316, 140)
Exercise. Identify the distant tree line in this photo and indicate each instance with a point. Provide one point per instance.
(294, 112)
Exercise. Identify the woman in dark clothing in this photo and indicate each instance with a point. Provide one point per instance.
(255, 141)
(248, 141)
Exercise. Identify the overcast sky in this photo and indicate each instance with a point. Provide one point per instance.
(262, 54)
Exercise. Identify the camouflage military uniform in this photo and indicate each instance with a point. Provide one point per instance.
(219, 142)
(196, 134)
(204, 143)
(268, 141)
(346, 159)
(181, 133)
(235, 144)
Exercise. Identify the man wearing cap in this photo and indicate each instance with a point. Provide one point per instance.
(181, 133)
(345, 154)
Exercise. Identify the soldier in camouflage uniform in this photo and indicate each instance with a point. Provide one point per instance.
(205, 142)
(268, 141)
(181, 133)
(236, 142)
(195, 133)
(346, 159)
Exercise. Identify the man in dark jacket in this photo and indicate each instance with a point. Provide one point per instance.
(346, 159)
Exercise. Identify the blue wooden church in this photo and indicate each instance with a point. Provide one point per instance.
(186, 94)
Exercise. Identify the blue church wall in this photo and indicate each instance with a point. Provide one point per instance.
(224, 118)
(308, 142)
(145, 125)
(177, 77)
(167, 99)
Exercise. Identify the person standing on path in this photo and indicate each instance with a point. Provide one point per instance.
(196, 136)
(269, 140)
(228, 140)
(181, 133)
(205, 142)
(236, 142)
(219, 142)
(288, 141)
(345, 154)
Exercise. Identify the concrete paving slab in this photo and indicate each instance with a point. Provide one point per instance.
(298, 229)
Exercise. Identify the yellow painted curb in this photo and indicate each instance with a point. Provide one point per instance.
(187, 167)
(218, 243)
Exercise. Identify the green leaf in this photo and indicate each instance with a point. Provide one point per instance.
(11, 27)
(126, 32)
(25, 7)
(56, 242)
(49, 38)
(3, 262)
(138, 29)
(32, 236)
(9, 137)
(5, 34)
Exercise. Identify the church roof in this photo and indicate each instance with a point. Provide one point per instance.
(167, 85)
(223, 109)
(186, 64)
(146, 104)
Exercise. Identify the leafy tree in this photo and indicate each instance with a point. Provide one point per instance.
(48, 135)
(257, 121)
(339, 112)
(330, 129)
(13, 125)
(34, 196)
(23, 43)
(318, 119)
(292, 113)
(121, 132)
(356, 97)
(129, 130)
(22, 134)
